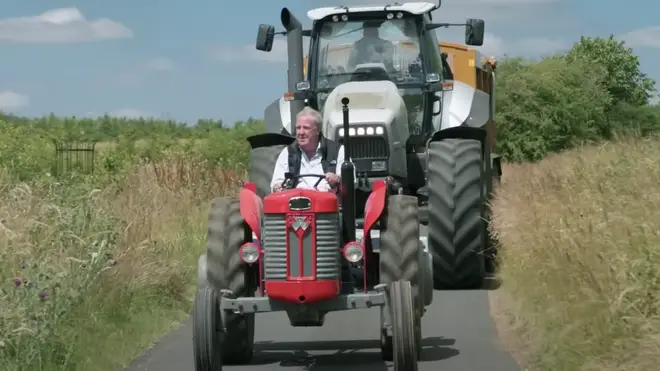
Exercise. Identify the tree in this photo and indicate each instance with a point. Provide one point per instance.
(548, 106)
(624, 80)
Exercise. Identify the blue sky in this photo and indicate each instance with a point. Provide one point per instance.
(196, 59)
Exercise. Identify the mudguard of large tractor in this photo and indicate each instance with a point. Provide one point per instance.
(461, 132)
(270, 139)
(263, 156)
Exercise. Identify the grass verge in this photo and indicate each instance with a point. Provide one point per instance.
(580, 235)
(92, 275)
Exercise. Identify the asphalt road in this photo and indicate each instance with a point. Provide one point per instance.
(458, 332)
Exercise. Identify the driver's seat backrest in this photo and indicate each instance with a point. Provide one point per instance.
(329, 153)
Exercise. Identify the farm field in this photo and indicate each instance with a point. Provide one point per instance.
(97, 265)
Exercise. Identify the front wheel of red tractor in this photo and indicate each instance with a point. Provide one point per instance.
(227, 232)
(399, 260)
(207, 331)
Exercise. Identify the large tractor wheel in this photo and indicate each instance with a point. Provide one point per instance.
(262, 164)
(404, 333)
(400, 260)
(456, 213)
(207, 331)
(226, 271)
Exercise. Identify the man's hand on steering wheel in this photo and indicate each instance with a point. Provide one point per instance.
(332, 179)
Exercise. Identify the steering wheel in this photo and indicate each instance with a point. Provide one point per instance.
(288, 182)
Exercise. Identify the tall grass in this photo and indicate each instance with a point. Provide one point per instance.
(580, 235)
(99, 263)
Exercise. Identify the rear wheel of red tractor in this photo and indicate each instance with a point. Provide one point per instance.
(261, 167)
(227, 232)
(400, 260)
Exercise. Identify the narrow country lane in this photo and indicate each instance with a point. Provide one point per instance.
(459, 335)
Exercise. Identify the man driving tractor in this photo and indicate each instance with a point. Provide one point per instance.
(371, 48)
(311, 153)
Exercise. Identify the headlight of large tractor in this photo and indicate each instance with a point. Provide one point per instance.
(363, 130)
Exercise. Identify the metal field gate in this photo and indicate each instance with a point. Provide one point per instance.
(74, 156)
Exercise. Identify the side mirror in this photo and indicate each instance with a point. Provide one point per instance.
(474, 32)
(265, 37)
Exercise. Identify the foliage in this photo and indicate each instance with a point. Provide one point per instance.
(591, 93)
(625, 82)
(547, 107)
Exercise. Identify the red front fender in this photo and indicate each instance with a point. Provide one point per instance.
(374, 206)
(251, 208)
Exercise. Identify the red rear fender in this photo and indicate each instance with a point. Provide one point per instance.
(251, 208)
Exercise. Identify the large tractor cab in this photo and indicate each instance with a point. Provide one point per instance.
(292, 251)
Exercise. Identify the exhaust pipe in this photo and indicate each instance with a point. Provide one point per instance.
(347, 179)
(294, 41)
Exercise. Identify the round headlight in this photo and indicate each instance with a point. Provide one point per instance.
(353, 252)
(249, 253)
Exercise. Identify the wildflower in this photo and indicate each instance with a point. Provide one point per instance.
(43, 295)
(18, 282)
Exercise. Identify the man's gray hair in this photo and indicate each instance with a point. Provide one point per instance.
(314, 114)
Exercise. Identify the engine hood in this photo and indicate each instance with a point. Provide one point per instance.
(371, 102)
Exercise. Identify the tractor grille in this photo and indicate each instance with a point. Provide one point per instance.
(327, 249)
(367, 148)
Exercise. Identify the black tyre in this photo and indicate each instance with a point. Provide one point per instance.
(399, 254)
(405, 338)
(225, 270)
(207, 331)
(262, 164)
(399, 240)
(456, 213)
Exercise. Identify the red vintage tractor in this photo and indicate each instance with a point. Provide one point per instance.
(294, 251)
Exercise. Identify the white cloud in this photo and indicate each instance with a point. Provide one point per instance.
(130, 113)
(58, 26)
(11, 101)
(648, 37)
(160, 65)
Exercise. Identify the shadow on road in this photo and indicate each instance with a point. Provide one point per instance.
(361, 355)
(490, 284)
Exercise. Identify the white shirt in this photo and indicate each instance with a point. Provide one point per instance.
(307, 166)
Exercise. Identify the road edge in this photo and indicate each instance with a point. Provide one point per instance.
(512, 330)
